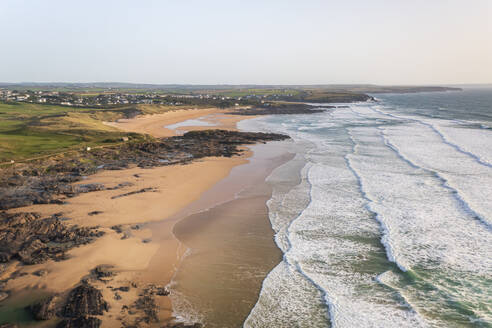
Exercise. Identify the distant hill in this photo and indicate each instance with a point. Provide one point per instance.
(359, 88)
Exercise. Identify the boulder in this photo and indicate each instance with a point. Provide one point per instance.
(3, 296)
(40, 273)
(104, 272)
(46, 309)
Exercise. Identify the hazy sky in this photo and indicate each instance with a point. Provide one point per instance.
(249, 41)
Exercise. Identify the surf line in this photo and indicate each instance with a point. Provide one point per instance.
(441, 135)
(444, 182)
(385, 238)
(295, 264)
(384, 227)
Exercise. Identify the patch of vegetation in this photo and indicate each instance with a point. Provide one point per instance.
(30, 130)
(322, 96)
(252, 92)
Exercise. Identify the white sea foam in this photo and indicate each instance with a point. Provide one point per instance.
(380, 187)
(471, 140)
(467, 173)
(331, 235)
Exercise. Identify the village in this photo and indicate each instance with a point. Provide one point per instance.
(115, 99)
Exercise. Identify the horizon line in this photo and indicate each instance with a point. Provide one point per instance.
(3, 83)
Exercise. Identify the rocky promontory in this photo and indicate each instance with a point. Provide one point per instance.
(281, 109)
(51, 180)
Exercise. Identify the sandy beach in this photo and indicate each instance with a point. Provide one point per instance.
(157, 124)
(140, 253)
(230, 246)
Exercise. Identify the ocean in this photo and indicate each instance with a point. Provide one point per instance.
(384, 215)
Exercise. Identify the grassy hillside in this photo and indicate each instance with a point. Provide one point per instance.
(248, 92)
(323, 96)
(29, 130)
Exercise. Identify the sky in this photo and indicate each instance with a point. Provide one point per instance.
(247, 41)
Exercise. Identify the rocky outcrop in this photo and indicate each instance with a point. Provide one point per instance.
(4, 296)
(146, 303)
(33, 187)
(152, 289)
(135, 192)
(8, 325)
(31, 239)
(84, 300)
(145, 308)
(183, 325)
(45, 310)
(51, 180)
(80, 322)
(281, 109)
(82, 303)
(104, 272)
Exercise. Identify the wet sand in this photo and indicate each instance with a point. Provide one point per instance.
(157, 125)
(230, 246)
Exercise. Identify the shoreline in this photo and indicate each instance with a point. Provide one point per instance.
(230, 243)
(129, 245)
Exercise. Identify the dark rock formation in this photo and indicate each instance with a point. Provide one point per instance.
(32, 239)
(94, 213)
(152, 289)
(146, 303)
(104, 272)
(123, 289)
(134, 192)
(50, 180)
(84, 300)
(40, 273)
(46, 309)
(4, 296)
(118, 228)
(281, 109)
(82, 303)
(122, 185)
(42, 189)
(80, 322)
(8, 325)
(183, 325)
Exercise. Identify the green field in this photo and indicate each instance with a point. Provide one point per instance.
(30, 130)
(249, 92)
